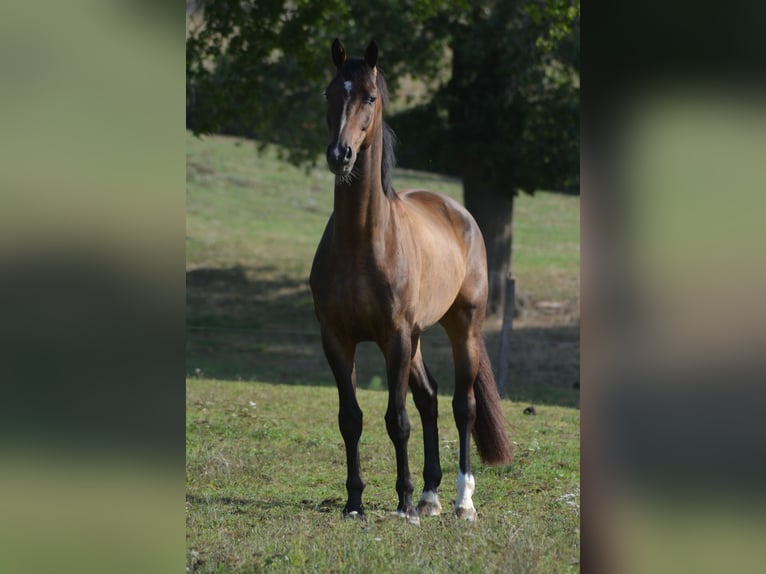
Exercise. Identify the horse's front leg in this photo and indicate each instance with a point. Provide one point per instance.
(398, 356)
(340, 356)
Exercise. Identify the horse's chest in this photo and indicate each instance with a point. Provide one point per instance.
(360, 298)
(362, 295)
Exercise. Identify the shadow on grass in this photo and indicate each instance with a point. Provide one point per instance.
(239, 504)
(242, 505)
(258, 324)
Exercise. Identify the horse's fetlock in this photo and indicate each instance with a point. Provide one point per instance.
(355, 484)
(405, 485)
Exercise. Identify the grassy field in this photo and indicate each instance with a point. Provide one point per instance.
(265, 486)
(265, 463)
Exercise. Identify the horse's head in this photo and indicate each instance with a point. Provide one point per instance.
(353, 106)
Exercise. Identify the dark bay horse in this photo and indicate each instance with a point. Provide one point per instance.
(389, 266)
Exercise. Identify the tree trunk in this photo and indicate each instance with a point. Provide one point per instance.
(491, 204)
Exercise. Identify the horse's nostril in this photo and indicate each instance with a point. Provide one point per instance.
(348, 153)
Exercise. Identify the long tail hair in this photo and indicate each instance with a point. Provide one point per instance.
(489, 427)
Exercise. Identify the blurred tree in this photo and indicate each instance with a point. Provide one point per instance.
(505, 119)
(512, 113)
(260, 68)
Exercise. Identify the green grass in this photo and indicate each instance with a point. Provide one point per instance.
(265, 487)
(546, 245)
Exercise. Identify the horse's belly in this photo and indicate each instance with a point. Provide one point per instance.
(440, 279)
(433, 306)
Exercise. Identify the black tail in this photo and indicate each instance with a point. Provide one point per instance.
(489, 428)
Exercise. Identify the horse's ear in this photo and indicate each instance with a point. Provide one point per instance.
(338, 53)
(371, 54)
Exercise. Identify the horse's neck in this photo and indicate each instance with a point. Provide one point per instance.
(361, 208)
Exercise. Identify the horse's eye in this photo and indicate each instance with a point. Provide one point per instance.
(371, 100)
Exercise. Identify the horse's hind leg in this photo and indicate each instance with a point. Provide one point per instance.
(463, 326)
(341, 360)
(424, 389)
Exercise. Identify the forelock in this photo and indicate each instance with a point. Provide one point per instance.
(356, 70)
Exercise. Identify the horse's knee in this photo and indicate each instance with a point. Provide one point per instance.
(350, 421)
(355, 483)
(398, 425)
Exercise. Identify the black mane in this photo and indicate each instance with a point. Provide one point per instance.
(389, 160)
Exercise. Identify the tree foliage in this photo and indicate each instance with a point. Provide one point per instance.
(259, 68)
(510, 109)
(510, 105)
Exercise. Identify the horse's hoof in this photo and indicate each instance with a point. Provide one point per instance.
(429, 507)
(466, 513)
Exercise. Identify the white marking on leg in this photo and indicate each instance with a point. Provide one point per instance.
(429, 496)
(429, 504)
(466, 484)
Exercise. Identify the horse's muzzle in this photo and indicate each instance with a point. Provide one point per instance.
(339, 158)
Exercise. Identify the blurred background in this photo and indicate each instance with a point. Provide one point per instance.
(91, 287)
(672, 282)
